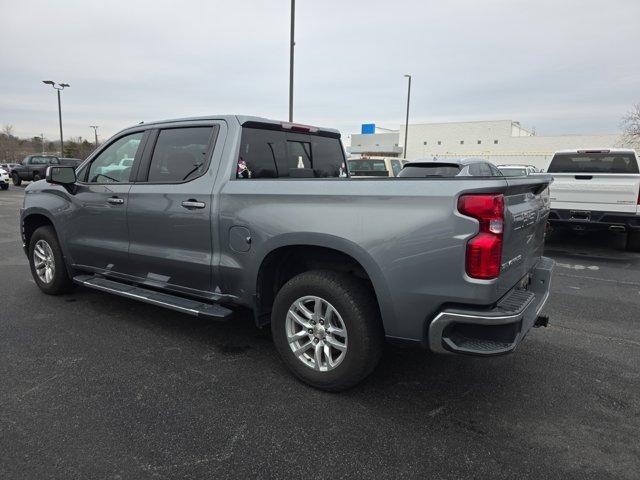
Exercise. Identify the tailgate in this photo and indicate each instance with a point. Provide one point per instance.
(525, 216)
(607, 192)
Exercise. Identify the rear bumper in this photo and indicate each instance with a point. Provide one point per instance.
(592, 220)
(497, 330)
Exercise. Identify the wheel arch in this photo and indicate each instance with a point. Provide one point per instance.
(281, 260)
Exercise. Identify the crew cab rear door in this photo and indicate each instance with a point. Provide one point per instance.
(169, 215)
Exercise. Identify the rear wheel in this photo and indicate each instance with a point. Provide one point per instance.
(36, 176)
(16, 179)
(47, 262)
(633, 241)
(327, 329)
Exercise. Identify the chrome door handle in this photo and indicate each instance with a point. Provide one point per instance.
(193, 204)
(115, 200)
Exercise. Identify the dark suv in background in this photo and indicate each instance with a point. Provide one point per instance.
(34, 167)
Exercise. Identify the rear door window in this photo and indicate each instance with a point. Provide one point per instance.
(180, 154)
(276, 154)
(593, 163)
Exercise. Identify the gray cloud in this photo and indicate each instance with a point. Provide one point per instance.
(563, 67)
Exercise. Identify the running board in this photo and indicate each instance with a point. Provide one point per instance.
(172, 302)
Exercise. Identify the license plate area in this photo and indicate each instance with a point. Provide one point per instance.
(580, 215)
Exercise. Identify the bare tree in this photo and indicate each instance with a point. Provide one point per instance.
(8, 130)
(631, 127)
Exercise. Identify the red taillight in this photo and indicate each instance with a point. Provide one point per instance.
(484, 251)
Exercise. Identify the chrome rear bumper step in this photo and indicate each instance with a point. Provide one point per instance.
(172, 302)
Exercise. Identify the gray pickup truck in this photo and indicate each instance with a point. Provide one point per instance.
(205, 215)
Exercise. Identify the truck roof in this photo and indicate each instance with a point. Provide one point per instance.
(598, 150)
(242, 120)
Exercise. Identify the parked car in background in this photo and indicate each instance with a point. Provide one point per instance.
(8, 167)
(375, 167)
(596, 190)
(517, 170)
(4, 179)
(234, 211)
(32, 168)
(464, 167)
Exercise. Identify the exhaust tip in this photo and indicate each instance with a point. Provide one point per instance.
(617, 228)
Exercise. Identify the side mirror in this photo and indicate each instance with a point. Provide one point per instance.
(61, 175)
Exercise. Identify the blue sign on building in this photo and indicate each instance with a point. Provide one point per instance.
(368, 128)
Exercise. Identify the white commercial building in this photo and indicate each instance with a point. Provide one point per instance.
(499, 141)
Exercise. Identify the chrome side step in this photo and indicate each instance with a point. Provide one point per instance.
(172, 302)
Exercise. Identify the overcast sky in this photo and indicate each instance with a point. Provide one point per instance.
(559, 66)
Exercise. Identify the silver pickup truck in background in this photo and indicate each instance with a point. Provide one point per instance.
(221, 212)
(597, 190)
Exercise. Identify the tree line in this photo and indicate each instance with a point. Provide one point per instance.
(13, 149)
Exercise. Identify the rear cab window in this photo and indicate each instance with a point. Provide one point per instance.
(266, 153)
(593, 162)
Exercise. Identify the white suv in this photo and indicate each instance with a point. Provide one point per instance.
(4, 179)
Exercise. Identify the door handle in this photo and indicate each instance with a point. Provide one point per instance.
(115, 200)
(191, 203)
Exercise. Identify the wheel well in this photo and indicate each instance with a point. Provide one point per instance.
(32, 223)
(284, 263)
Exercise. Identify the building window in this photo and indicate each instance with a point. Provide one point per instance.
(424, 143)
(479, 142)
(439, 142)
(495, 142)
(461, 142)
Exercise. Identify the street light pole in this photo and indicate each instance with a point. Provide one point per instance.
(406, 123)
(59, 87)
(292, 44)
(95, 132)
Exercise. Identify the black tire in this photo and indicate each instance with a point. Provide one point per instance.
(60, 282)
(17, 181)
(5, 186)
(356, 304)
(633, 241)
(36, 176)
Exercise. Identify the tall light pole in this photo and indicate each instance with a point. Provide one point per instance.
(95, 132)
(406, 123)
(58, 87)
(292, 44)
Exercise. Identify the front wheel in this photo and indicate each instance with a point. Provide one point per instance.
(36, 176)
(326, 327)
(5, 186)
(17, 181)
(47, 262)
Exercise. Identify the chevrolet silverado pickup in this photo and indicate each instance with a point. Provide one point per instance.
(34, 167)
(221, 212)
(596, 190)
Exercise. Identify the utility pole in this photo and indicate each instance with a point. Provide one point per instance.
(95, 133)
(42, 137)
(59, 87)
(406, 123)
(292, 44)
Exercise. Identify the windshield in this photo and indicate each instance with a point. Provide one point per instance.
(513, 172)
(593, 163)
(420, 170)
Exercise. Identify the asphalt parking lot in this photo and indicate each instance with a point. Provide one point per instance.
(95, 386)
